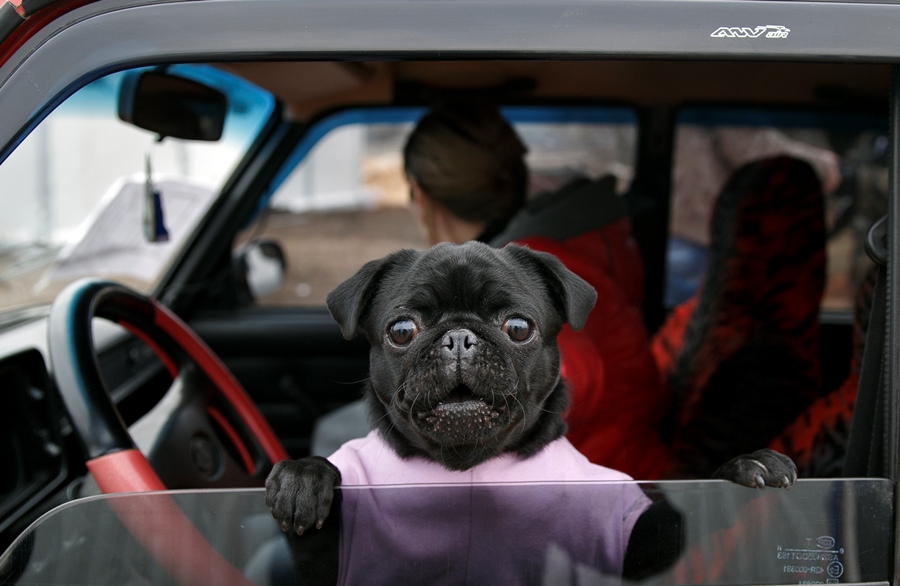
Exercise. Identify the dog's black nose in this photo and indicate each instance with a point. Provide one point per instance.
(459, 343)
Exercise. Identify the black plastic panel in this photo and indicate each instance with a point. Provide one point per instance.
(32, 455)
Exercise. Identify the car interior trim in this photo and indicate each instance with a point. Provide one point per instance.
(153, 33)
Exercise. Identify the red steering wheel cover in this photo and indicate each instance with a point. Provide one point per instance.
(224, 381)
(110, 451)
(112, 458)
(125, 471)
(150, 521)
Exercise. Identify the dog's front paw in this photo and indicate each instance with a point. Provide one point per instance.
(760, 469)
(299, 493)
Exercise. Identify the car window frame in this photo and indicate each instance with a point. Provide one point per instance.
(153, 34)
(53, 61)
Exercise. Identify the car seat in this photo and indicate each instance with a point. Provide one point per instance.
(741, 356)
(817, 439)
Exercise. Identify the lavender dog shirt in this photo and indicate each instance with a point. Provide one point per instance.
(556, 518)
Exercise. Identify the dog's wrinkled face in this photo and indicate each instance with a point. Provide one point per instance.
(464, 363)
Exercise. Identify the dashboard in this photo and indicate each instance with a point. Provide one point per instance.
(33, 434)
(42, 462)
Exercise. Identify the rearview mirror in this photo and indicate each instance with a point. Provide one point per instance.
(172, 106)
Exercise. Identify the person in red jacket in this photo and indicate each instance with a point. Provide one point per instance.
(468, 181)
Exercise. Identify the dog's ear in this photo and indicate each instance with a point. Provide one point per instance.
(349, 300)
(574, 294)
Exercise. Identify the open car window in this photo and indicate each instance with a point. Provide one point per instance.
(847, 151)
(834, 531)
(342, 198)
(72, 193)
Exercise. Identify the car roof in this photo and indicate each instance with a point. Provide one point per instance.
(63, 45)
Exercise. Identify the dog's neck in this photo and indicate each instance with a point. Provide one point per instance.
(548, 427)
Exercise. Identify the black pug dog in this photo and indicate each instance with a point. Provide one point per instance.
(464, 368)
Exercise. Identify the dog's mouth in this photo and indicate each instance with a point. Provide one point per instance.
(461, 417)
(460, 394)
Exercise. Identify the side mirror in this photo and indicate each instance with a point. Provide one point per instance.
(172, 106)
(261, 265)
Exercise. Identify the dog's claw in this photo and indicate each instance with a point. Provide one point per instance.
(300, 493)
(760, 469)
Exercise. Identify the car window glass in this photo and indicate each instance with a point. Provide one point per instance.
(820, 531)
(343, 198)
(847, 152)
(71, 194)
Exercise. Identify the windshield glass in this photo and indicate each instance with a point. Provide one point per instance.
(820, 531)
(72, 193)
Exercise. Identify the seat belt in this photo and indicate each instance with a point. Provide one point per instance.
(865, 446)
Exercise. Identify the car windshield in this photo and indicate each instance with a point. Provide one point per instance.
(72, 193)
(821, 531)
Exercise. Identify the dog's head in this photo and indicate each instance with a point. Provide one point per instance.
(464, 363)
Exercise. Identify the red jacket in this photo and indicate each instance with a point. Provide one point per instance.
(618, 399)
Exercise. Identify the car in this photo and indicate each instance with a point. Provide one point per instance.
(183, 183)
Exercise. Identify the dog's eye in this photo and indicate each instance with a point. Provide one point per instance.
(517, 328)
(403, 332)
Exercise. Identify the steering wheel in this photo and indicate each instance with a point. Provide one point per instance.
(205, 432)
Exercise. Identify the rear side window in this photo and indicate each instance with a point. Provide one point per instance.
(847, 152)
(344, 200)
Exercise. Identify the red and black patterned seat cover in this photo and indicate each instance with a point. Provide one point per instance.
(742, 355)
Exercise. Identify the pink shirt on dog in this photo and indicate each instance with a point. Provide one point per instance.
(371, 461)
(508, 520)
